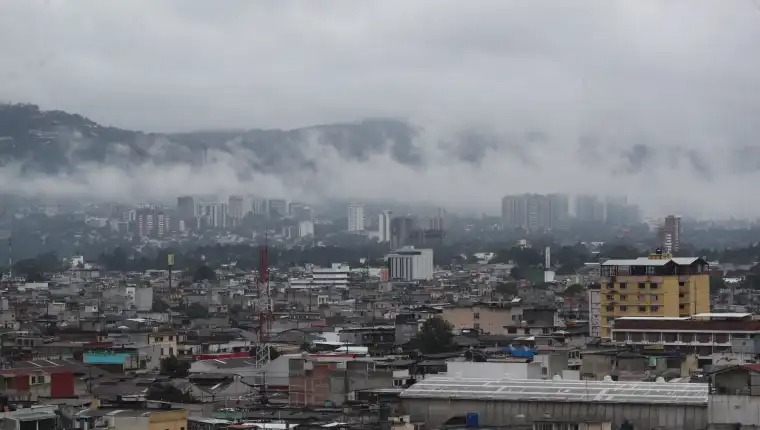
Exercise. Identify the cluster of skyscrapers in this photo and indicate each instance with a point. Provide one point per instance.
(538, 212)
(398, 231)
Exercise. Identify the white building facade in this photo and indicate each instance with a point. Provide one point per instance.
(384, 227)
(410, 264)
(355, 218)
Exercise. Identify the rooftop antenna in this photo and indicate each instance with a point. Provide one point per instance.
(264, 305)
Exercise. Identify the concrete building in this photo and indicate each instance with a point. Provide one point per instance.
(235, 206)
(355, 218)
(139, 298)
(278, 208)
(410, 264)
(333, 380)
(489, 318)
(670, 234)
(658, 285)
(186, 208)
(595, 311)
(534, 211)
(384, 227)
(589, 209)
(305, 228)
(509, 403)
(213, 215)
(702, 334)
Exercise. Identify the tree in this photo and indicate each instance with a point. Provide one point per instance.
(159, 305)
(204, 273)
(168, 393)
(196, 310)
(574, 290)
(716, 284)
(506, 288)
(435, 336)
(175, 368)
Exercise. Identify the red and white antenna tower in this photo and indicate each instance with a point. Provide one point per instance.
(264, 308)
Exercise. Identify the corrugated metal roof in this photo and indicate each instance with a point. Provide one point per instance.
(559, 391)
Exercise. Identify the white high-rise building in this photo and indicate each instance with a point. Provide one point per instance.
(411, 264)
(384, 226)
(355, 218)
(305, 228)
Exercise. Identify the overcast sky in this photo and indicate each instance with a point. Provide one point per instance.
(184, 64)
(683, 73)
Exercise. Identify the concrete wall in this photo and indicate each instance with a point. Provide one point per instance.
(436, 412)
(732, 409)
(496, 370)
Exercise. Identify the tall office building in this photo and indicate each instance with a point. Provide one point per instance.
(534, 211)
(589, 208)
(355, 218)
(213, 215)
(301, 212)
(619, 213)
(278, 208)
(654, 286)
(235, 207)
(402, 230)
(670, 234)
(186, 207)
(259, 207)
(384, 226)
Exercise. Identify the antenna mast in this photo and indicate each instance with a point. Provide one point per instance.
(264, 306)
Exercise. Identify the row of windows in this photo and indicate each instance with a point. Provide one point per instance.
(641, 285)
(653, 308)
(640, 298)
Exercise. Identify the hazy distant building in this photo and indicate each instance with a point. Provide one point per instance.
(619, 213)
(301, 212)
(534, 211)
(186, 207)
(278, 208)
(212, 215)
(305, 228)
(151, 222)
(384, 226)
(235, 208)
(589, 208)
(402, 229)
(259, 207)
(410, 264)
(355, 218)
(670, 234)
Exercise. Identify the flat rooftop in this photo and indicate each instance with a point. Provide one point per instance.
(539, 390)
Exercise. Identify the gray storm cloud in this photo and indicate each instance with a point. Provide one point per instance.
(657, 100)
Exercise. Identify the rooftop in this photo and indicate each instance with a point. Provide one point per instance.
(647, 261)
(559, 391)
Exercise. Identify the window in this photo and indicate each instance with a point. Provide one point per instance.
(682, 284)
(654, 285)
(623, 308)
(655, 308)
(623, 297)
(623, 285)
(477, 326)
(476, 315)
(681, 307)
(642, 308)
(642, 298)
(610, 308)
(653, 297)
(610, 297)
(642, 285)
(171, 338)
(682, 295)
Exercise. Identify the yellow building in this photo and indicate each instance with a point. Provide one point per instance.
(655, 286)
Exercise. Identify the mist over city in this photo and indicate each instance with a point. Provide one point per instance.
(388, 215)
